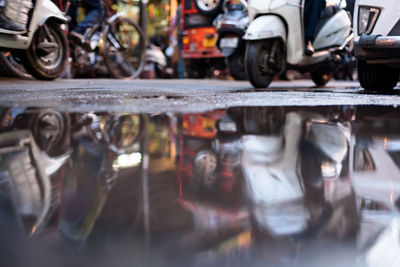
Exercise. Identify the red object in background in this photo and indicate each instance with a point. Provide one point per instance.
(199, 36)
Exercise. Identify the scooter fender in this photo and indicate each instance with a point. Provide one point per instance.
(48, 10)
(266, 27)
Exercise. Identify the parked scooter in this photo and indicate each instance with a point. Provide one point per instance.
(159, 59)
(231, 26)
(275, 40)
(43, 49)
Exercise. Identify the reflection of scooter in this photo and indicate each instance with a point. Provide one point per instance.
(28, 161)
(285, 175)
(231, 26)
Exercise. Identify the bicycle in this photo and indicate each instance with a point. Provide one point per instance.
(121, 44)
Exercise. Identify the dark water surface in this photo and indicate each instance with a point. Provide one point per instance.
(251, 186)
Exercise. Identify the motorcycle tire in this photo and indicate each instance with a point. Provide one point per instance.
(10, 66)
(321, 78)
(236, 66)
(51, 66)
(209, 7)
(116, 58)
(375, 77)
(261, 75)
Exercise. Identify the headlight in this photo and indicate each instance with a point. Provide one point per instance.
(367, 17)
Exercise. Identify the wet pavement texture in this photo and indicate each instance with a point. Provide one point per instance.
(142, 96)
(239, 186)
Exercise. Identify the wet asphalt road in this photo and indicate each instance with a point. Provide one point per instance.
(181, 95)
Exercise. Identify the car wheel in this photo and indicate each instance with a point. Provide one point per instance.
(375, 77)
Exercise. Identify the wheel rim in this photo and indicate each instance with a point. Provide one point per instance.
(270, 60)
(207, 5)
(264, 66)
(54, 59)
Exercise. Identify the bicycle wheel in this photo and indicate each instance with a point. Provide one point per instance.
(123, 48)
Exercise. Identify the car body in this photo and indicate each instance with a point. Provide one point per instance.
(377, 43)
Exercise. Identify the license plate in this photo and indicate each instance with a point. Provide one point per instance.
(208, 124)
(209, 42)
(229, 42)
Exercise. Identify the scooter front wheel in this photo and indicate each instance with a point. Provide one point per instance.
(263, 60)
(47, 56)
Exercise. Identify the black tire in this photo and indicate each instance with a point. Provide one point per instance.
(321, 78)
(263, 61)
(209, 7)
(48, 67)
(128, 60)
(236, 66)
(375, 77)
(11, 66)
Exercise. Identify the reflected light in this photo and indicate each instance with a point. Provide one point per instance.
(128, 160)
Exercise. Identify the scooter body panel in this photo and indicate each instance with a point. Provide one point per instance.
(334, 32)
(289, 12)
(43, 11)
(265, 27)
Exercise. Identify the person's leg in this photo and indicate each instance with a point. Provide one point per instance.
(73, 14)
(312, 12)
(94, 11)
(6, 25)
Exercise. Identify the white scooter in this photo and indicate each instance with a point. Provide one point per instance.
(44, 47)
(275, 40)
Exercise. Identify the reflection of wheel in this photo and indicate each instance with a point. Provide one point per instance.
(11, 65)
(121, 133)
(321, 78)
(209, 7)
(47, 56)
(263, 60)
(377, 77)
(51, 132)
(124, 48)
(236, 66)
(205, 164)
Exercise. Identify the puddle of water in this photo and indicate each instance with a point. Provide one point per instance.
(252, 186)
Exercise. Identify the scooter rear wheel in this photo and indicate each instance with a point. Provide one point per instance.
(44, 65)
(321, 78)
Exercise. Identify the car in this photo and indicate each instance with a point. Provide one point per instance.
(377, 43)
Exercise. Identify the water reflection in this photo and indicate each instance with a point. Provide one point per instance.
(238, 187)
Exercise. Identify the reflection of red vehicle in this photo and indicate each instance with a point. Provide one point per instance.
(203, 161)
(199, 37)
